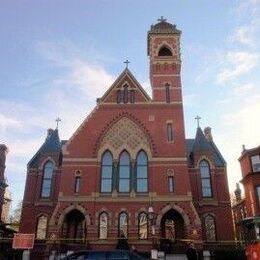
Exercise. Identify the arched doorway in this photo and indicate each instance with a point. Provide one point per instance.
(172, 229)
(74, 226)
(172, 225)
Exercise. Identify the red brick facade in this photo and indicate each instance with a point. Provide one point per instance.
(121, 122)
(249, 206)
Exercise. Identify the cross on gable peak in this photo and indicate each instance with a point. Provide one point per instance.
(57, 121)
(127, 62)
(161, 19)
(198, 118)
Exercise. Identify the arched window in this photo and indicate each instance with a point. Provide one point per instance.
(124, 172)
(167, 93)
(205, 179)
(143, 225)
(164, 51)
(125, 94)
(210, 228)
(41, 227)
(142, 172)
(47, 179)
(103, 225)
(106, 172)
(123, 225)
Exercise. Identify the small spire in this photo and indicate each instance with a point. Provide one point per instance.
(57, 122)
(161, 19)
(198, 120)
(126, 63)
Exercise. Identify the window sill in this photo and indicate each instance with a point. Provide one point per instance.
(44, 202)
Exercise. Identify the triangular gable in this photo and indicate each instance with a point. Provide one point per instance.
(125, 78)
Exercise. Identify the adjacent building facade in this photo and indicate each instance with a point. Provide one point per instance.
(128, 171)
(248, 206)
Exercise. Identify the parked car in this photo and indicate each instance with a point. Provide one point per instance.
(112, 255)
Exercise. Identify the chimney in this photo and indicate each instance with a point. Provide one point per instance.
(207, 133)
(3, 152)
(49, 132)
(238, 192)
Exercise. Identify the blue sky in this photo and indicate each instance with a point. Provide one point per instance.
(57, 57)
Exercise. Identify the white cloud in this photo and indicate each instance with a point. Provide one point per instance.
(244, 89)
(236, 64)
(8, 122)
(239, 126)
(244, 36)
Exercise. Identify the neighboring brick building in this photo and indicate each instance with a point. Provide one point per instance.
(249, 205)
(128, 155)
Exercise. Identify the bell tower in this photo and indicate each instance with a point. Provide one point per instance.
(163, 46)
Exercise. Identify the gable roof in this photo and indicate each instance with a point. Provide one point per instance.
(51, 144)
(125, 74)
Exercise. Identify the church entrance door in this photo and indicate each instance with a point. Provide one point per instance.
(74, 226)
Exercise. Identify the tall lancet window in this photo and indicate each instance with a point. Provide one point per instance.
(103, 225)
(143, 225)
(123, 225)
(47, 179)
(41, 227)
(210, 228)
(106, 172)
(167, 93)
(205, 179)
(142, 172)
(124, 172)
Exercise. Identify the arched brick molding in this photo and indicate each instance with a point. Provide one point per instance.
(136, 124)
(70, 208)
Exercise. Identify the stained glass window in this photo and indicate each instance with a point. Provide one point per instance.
(41, 227)
(143, 225)
(210, 228)
(123, 225)
(103, 225)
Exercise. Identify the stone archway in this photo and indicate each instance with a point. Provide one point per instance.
(74, 226)
(172, 225)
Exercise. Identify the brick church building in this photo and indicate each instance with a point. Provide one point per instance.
(128, 171)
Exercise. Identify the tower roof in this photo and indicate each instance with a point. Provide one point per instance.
(201, 144)
(162, 27)
(52, 144)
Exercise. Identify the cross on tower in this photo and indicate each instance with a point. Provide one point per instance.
(127, 62)
(198, 120)
(162, 19)
(57, 121)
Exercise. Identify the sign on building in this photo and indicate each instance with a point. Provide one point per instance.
(23, 241)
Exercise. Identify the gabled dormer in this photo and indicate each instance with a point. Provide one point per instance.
(125, 90)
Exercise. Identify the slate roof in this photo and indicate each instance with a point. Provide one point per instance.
(164, 27)
(200, 143)
(52, 144)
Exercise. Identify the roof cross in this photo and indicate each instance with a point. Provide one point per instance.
(57, 121)
(198, 120)
(127, 62)
(162, 19)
